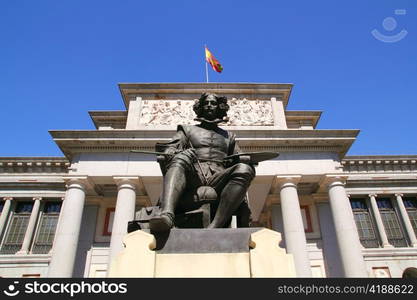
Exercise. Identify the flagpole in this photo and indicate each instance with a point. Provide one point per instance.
(205, 47)
(207, 73)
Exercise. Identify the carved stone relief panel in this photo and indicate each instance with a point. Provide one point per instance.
(242, 112)
(167, 112)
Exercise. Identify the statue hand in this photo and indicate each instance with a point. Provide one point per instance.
(228, 162)
(245, 159)
(190, 153)
(171, 151)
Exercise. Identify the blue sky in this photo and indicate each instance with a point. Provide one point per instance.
(60, 59)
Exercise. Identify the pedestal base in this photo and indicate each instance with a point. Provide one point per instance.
(240, 252)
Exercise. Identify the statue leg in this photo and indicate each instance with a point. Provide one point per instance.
(230, 199)
(233, 194)
(173, 187)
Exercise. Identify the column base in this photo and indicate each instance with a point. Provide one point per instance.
(22, 252)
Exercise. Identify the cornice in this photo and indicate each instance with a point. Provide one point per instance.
(281, 91)
(338, 141)
(378, 157)
(115, 119)
(300, 117)
(241, 133)
(380, 164)
(34, 165)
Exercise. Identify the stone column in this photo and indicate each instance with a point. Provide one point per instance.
(5, 213)
(406, 220)
(346, 233)
(295, 238)
(124, 212)
(379, 224)
(31, 226)
(67, 234)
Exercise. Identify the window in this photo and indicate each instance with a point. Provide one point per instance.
(410, 204)
(363, 220)
(391, 224)
(1, 206)
(15, 234)
(108, 222)
(46, 229)
(305, 214)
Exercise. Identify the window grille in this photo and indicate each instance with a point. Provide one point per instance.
(411, 207)
(15, 234)
(46, 228)
(364, 224)
(391, 223)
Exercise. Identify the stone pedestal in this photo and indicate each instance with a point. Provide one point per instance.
(238, 252)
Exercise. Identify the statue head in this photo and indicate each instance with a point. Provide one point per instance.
(211, 107)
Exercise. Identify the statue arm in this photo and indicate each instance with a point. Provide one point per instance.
(178, 143)
(173, 147)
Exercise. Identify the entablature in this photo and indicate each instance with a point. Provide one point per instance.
(338, 141)
(34, 165)
(380, 164)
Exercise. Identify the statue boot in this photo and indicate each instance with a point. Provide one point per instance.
(174, 185)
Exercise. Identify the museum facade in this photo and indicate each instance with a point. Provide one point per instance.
(339, 215)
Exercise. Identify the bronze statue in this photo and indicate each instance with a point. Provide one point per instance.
(195, 158)
(203, 164)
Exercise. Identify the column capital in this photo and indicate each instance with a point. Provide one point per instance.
(330, 180)
(132, 181)
(7, 198)
(374, 195)
(37, 198)
(82, 182)
(399, 195)
(282, 180)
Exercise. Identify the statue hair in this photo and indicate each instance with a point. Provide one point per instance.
(221, 111)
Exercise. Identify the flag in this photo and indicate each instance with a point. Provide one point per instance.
(213, 61)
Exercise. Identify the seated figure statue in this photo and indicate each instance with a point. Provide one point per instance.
(195, 158)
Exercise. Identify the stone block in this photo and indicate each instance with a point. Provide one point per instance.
(228, 252)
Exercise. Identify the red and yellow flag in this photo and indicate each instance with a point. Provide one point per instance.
(213, 61)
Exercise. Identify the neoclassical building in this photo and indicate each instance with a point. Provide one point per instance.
(339, 215)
